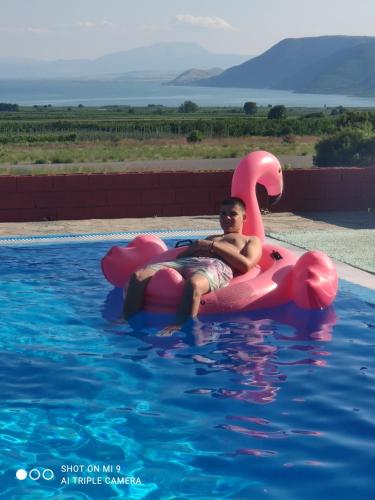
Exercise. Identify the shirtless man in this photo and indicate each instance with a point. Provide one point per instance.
(206, 265)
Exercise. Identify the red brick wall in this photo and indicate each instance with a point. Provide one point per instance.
(85, 196)
(322, 189)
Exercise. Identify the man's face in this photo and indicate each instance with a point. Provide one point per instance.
(232, 218)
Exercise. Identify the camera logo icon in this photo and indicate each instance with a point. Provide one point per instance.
(35, 474)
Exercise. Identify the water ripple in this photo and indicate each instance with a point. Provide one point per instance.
(187, 413)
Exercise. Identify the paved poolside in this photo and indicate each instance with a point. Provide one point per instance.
(295, 228)
(273, 222)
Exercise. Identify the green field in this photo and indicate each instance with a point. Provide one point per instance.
(43, 135)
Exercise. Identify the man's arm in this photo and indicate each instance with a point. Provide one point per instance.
(198, 248)
(242, 261)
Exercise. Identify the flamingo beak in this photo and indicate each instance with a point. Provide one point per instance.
(274, 199)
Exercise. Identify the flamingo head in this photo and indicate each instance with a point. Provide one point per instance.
(258, 167)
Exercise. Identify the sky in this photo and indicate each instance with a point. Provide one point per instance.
(74, 29)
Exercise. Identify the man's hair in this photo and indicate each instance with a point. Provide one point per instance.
(233, 200)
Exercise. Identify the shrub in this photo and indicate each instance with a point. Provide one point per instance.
(195, 136)
(354, 119)
(62, 159)
(349, 147)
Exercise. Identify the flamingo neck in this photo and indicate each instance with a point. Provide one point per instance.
(253, 225)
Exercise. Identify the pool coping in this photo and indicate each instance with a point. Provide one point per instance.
(344, 271)
(90, 237)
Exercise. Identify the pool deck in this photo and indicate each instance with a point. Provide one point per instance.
(278, 222)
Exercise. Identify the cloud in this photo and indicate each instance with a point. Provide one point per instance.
(37, 30)
(95, 25)
(204, 22)
(30, 29)
(85, 24)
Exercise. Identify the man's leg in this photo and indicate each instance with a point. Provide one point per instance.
(136, 290)
(195, 286)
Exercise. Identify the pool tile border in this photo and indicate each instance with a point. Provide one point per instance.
(90, 237)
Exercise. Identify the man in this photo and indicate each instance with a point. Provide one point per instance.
(206, 265)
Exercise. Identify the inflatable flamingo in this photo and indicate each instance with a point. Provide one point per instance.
(280, 276)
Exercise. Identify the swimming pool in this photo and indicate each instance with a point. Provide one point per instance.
(273, 405)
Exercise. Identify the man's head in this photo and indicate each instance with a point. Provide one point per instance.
(232, 215)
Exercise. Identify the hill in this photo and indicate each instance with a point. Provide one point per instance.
(159, 58)
(328, 64)
(194, 74)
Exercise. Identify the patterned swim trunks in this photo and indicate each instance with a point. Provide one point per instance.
(217, 272)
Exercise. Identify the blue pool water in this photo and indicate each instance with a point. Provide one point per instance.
(266, 405)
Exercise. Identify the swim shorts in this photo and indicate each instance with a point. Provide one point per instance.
(217, 272)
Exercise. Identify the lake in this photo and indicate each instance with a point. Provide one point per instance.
(101, 93)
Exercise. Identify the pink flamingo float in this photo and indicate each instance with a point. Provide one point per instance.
(310, 281)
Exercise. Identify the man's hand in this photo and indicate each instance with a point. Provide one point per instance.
(199, 248)
(240, 261)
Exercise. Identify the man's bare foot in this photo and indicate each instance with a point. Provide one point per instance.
(169, 330)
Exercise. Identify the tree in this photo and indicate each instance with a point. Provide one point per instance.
(188, 107)
(4, 106)
(250, 108)
(277, 112)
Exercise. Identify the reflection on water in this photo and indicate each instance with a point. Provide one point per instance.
(249, 345)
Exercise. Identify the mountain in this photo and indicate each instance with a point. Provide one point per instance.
(163, 58)
(166, 57)
(350, 72)
(327, 64)
(194, 74)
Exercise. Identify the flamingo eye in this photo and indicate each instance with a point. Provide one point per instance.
(279, 170)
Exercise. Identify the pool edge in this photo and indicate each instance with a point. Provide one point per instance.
(344, 271)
